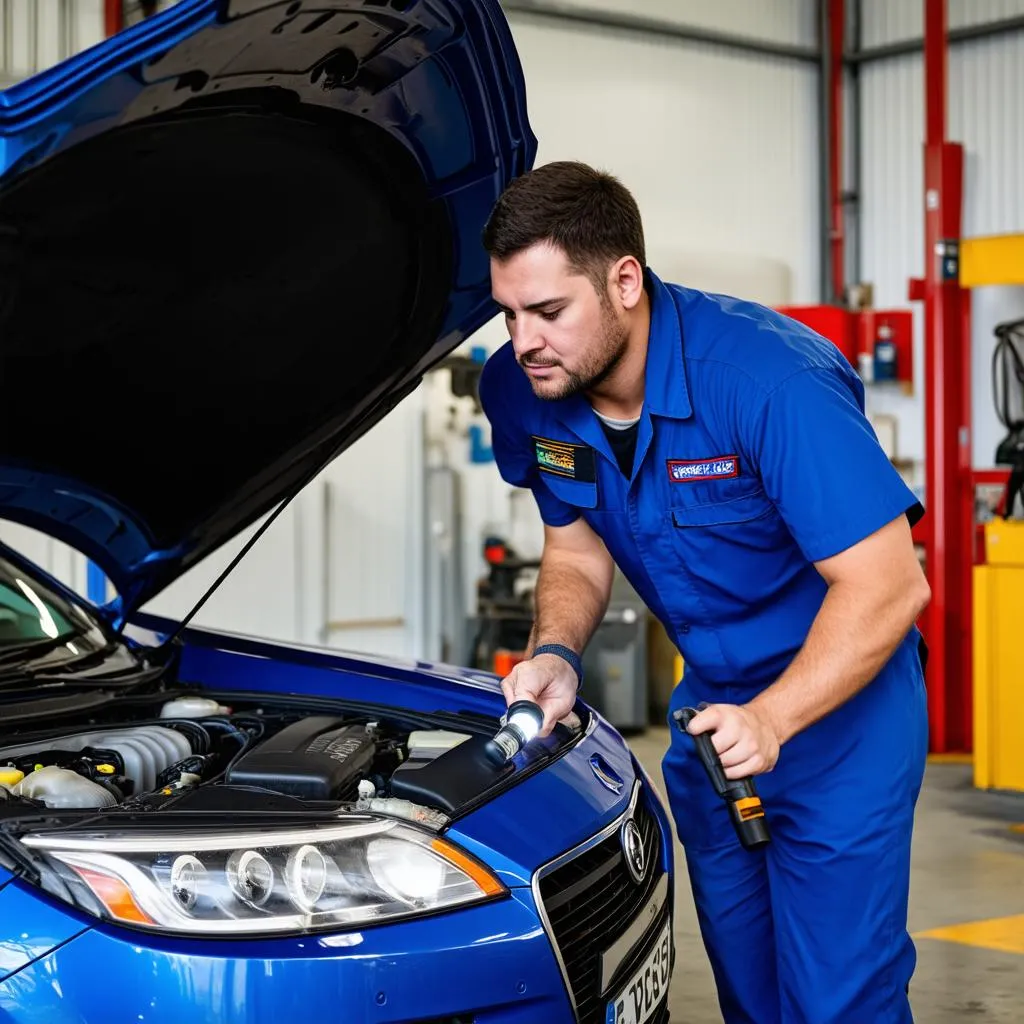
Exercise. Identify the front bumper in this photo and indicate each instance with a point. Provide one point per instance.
(491, 964)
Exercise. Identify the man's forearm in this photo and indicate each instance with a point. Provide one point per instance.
(853, 636)
(570, 600)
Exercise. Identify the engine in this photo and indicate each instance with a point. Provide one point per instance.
(197, 755)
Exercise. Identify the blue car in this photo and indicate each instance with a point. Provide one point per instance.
(231, 239)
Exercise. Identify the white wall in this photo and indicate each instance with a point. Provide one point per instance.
(986, 115)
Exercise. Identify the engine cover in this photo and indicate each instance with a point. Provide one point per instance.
(318, 758)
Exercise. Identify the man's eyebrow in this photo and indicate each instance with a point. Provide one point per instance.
(534, 307)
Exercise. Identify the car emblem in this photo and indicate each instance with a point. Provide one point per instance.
(604, 774)
(633, 851)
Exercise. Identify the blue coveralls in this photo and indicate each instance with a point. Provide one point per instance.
(754, 459)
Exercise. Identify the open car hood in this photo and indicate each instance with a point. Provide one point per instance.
(231, 239)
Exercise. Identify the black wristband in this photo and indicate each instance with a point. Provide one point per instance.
(567, 654)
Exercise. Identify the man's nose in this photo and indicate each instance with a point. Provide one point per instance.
(525, 338)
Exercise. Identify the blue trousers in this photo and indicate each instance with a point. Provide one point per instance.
(812, 929)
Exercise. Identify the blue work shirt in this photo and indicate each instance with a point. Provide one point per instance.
(754, 460)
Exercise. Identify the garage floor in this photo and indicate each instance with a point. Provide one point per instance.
(966, 907)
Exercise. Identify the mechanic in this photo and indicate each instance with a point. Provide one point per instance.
(718, 453)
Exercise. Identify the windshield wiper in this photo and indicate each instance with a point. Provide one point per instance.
(28, 651)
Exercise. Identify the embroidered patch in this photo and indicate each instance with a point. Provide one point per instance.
(574, 461)
(684, 471)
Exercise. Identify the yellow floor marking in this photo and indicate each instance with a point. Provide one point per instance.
(1004, 934)
(952, 758)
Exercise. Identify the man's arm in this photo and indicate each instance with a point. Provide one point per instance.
(573, 589)
(876, 591)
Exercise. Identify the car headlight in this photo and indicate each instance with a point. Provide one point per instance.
(269, 881)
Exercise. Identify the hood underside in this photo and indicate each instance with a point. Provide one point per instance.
(231, 239)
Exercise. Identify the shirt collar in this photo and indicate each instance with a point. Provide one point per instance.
(665, 388)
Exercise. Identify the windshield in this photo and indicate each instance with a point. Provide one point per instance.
(31, 613)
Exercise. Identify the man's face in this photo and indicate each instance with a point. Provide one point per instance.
(566, 339)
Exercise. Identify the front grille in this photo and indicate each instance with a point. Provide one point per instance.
(590, 901)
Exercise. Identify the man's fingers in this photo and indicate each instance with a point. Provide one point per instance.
(554, 712)
(754, 765)
(738, 753)
(705, 721)
(508, 687)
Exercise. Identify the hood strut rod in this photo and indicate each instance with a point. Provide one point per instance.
(241, 554)
(369, 420)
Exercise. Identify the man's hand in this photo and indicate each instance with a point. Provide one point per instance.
(548, 681)
(745, 740)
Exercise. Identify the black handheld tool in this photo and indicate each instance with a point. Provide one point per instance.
(740, 796)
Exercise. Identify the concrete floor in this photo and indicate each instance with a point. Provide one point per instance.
(966, 905)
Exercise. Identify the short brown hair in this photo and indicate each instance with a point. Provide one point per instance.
(587, 213)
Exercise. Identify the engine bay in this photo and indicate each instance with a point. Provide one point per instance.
(195, 754)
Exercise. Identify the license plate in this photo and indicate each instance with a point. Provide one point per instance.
(641, 996)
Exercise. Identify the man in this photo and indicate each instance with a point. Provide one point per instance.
(718, 453)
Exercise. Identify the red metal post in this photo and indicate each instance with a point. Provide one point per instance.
(113, 16)
(837, 25)
(949, 494)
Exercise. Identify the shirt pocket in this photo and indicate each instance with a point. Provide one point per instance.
(744, 508)
(734, 551)
(578, 493)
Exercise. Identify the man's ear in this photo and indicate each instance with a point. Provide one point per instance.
(626, 281)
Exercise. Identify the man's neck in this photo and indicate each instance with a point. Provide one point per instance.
(620, 395)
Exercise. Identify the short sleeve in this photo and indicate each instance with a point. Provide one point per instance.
(822, 466)
(513, 447)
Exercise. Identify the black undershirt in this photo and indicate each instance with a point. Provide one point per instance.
(623, 444)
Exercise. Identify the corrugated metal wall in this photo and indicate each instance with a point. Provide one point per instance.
(890, 21)
(781, 21)
(36, 34)
(986, 107)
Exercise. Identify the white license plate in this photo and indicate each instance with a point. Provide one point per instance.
(647, 988)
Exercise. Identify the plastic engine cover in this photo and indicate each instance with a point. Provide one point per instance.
(318, 758)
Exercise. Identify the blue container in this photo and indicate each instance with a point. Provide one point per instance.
(885, 355)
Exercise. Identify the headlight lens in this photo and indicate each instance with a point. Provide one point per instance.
(271, 881)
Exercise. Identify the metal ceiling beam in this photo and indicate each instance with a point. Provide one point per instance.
(955, 35)
(663, 30)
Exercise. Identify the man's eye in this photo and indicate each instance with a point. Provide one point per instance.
(552, 315)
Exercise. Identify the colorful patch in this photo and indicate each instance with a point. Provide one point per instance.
(573, 461)
(721, 467)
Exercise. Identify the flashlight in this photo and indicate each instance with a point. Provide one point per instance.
(522, 724)
(740, 796)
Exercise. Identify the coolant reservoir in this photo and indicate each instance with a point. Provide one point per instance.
(10, 777)
(192, 707)
(60, 788)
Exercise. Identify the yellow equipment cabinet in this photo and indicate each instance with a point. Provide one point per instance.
(999, 659)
